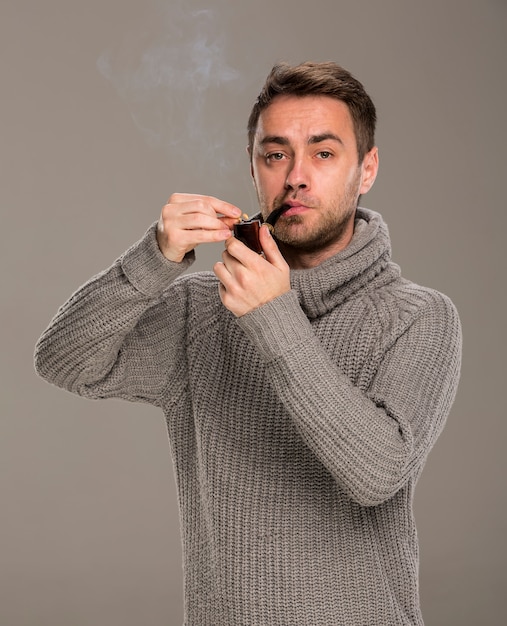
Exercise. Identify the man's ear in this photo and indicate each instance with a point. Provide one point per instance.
(369, 168)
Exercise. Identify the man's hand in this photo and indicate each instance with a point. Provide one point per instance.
(249, 280)
(188, 220)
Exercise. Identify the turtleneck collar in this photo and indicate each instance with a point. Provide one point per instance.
(365, 260)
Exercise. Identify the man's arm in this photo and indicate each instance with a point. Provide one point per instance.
(107, 340)
(372, 440)
(110, 338)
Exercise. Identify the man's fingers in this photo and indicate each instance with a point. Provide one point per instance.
(206, 204)
(270, 249)
(201, 221)
(188, 220)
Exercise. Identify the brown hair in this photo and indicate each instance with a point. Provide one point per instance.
(319, 79)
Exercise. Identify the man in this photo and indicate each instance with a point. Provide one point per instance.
(303, 387)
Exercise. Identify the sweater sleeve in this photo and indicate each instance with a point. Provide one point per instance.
(372, 441)
(115, 336)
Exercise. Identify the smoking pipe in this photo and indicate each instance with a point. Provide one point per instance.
(247, 230)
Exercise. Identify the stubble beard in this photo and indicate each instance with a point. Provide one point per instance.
(327, 231)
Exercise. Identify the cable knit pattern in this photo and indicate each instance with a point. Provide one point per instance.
(297, 431)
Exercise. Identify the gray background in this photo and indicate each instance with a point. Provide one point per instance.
(107, 107)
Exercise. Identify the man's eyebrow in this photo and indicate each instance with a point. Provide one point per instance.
(281, 141)
(284, 141)
(324, 137)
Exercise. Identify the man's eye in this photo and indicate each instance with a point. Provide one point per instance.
(324, 154)
(274, 156)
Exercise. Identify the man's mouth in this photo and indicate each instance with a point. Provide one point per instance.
(294, 208)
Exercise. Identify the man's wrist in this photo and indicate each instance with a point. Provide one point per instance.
(148, 269)
(276, 325)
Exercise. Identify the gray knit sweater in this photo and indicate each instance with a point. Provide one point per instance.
(297, 431)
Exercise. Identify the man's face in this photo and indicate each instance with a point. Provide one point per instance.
(305, 155)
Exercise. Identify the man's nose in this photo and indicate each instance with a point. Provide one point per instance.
(297, 176)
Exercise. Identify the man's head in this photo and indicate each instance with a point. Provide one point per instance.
(324, 79)
(312, 155)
